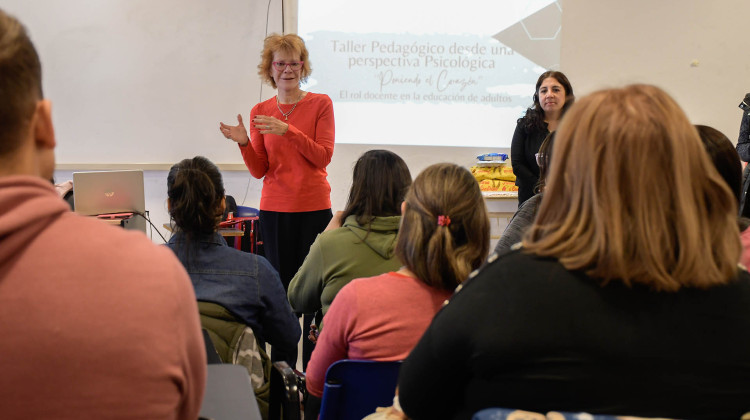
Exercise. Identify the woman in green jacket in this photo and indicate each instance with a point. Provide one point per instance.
(363, 245)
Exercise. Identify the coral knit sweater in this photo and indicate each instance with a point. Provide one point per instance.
(293, 166)
(96, 322)
(377, 318)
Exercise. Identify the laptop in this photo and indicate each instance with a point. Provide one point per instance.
(110, 193)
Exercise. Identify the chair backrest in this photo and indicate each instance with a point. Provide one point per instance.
(234, 341)
(231, 206)
(212, 356)
(226, 395)
(354, 388)
(236, 344)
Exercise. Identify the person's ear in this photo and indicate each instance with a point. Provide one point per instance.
(44, 131)
(223, 204)
(169, 205)
(403, 207)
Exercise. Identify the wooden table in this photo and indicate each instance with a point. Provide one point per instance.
(501, 206)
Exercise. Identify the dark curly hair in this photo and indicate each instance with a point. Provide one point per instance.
(724, 157)
(534, 117)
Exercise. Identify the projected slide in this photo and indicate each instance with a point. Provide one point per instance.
(437, 73)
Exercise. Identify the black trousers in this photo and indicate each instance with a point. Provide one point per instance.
(287, 238)
(286, 242)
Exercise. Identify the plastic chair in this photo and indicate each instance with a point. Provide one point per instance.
(354, 388)
(286, 385)
(226, 395)
(245, 219)
(234, 342)
(244, 211)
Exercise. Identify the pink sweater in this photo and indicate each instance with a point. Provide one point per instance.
(96, 322)
(293, 166)
(375, 318)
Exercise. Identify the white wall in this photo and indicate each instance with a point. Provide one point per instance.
(696, 50)
(147, 81)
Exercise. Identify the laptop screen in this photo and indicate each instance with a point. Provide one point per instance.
(105, 192)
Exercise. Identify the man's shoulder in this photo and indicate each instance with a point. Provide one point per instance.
(87, 237)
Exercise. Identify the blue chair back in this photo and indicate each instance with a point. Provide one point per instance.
(354, 388)
(244, 211)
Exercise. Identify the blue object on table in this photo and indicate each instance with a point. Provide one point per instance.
(493, 156)
(243, 211)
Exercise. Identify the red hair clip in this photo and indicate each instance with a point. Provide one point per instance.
(444, 220)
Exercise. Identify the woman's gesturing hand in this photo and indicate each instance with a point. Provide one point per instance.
(236, 133)
(270, 125)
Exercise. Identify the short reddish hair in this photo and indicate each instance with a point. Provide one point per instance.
(289, 43)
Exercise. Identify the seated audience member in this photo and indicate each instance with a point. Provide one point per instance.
(96, 322)
(524, 217)
(743, 150)
(444, 235)
(364, 245)
(726, 160)
(626, 297)
(243, 283)
(743, 141)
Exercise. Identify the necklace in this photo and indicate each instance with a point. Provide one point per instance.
(286, 114)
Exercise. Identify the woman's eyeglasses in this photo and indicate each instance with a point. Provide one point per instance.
(281, 65)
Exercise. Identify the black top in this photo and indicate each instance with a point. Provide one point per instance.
(526, 333)
(523, 149)
(743, 142)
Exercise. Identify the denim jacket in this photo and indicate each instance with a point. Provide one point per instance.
(245, 284)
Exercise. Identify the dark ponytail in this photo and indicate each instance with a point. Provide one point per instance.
(195, 190)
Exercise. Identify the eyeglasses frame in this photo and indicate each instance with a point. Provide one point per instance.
(275, 65)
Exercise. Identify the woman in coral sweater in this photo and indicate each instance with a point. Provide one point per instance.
(290, 144)
(444, 235)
